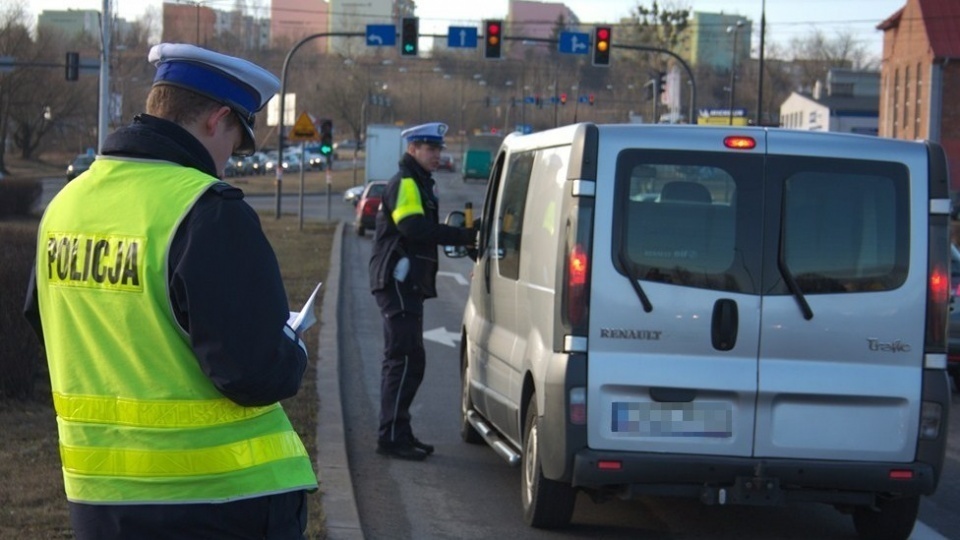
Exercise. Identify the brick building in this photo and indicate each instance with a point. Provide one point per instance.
(920, 81)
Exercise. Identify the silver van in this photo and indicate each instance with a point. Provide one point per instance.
(742, 316)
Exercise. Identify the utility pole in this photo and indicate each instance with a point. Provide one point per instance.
(763, 31)
(103, 123)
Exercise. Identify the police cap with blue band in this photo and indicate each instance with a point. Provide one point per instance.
(426, 133)
(241, 85)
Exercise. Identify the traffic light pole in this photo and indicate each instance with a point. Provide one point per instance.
(283, 95)
(686, 67)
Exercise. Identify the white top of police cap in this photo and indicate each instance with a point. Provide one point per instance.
(430, 133)
(238, 83)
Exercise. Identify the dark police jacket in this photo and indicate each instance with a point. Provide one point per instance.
(415, 237)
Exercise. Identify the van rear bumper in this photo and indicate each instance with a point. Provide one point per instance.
(779, 480)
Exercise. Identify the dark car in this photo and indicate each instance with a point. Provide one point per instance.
(79, 165)
(953, 349)
(446, 162)
(368, 205)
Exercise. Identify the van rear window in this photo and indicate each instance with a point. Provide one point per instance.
(678, 219)
(723, 221)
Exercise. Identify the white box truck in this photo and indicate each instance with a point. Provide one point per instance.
(384, 147)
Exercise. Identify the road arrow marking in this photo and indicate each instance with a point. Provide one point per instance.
(456, 276)
(442, 336)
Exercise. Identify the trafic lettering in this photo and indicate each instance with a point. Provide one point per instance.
(897, 346)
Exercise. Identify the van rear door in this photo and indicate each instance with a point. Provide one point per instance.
(842, 317)
(675, 292)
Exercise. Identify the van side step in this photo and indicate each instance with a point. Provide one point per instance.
(494, 440)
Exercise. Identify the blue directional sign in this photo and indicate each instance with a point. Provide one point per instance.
(462, 36)
(583, 99)
(574, 42)
(381, 35)
(530, 99)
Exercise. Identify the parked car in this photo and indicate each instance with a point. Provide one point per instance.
(79, 165)
(741, 316)
(446, 162)
(352, 195)
(369, 203)
(953, 347)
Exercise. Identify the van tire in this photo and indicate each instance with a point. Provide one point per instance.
(892, 519)
(547, 504)
(467, 432)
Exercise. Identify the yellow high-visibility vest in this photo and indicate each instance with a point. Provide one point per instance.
(138, 420)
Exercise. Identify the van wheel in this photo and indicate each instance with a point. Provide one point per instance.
(467, 431)
(892, 519)
(547, 503)
(360, 230)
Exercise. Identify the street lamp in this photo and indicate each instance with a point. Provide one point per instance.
(735, 29)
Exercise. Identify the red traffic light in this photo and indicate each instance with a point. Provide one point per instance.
(492, 39)
(603, 33)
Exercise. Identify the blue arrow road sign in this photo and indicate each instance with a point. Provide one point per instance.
(574, 43)
(381, 35)
(462, 36)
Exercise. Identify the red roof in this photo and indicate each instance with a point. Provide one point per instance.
(941, 18)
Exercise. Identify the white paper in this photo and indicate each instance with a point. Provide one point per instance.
(301, 320)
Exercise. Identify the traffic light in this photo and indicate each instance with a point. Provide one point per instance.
(662, 82)
(591, 99)
(73, 66)
(563, 98)
(601, 45)
(326, 137)
(409, 36)
(492, 39)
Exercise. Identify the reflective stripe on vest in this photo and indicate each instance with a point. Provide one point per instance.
(153, 413)
(408, 200)
(216, 460)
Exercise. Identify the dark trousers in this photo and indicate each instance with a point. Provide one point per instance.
(404, 363)
(273, 517)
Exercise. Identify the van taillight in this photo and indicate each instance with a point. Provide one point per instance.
(577, 266)
(938, 285)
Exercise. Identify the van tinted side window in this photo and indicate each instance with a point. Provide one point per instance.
(685, 218)
(845, 224)
(510, 216)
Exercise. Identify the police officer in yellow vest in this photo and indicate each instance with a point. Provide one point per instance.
(163, 315)
(403, 271)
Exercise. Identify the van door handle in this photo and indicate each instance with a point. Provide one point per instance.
(725, 323)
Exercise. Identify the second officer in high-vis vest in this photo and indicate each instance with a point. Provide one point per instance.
(403, 271)
(163, 314)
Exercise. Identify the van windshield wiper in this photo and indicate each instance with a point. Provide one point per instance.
(791, 281)
(647, 306)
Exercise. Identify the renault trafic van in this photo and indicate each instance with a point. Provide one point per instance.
(737, 315)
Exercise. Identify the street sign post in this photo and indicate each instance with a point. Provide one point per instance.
(462, 37)
(574, 43)
(381, 35)
(304, 129)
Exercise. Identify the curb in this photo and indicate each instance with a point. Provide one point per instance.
(333, 471)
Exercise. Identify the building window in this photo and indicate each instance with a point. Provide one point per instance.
(894, 114)
(916, 108)
(906, 99)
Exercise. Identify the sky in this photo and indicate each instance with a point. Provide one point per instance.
(786, 19)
